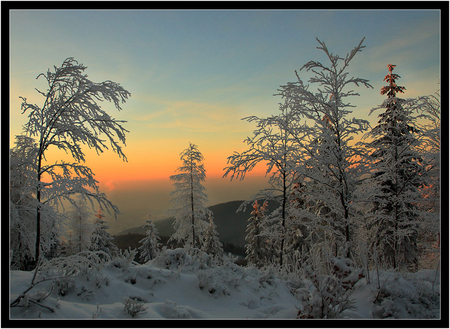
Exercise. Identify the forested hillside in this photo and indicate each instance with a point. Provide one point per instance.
(231, 226)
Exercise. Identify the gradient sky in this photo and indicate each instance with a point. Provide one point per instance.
(194, 74)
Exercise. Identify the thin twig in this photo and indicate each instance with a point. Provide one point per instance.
(39, 304)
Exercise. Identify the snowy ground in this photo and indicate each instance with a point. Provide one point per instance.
(179, 286)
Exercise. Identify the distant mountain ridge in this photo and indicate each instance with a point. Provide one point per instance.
(231, 225)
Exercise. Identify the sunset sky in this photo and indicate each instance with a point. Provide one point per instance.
(194, 74)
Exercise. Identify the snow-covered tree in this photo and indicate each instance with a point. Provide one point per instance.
(330, 296)
(257, 247)
(189, 198)
(398, 175)
(69, 118)
(302, 235)
(330, 160)
(149, 245)
(314, 237)
(429, 109)
(272, 144)
(81, 227)
(211, 243)
(429, 122)
(101, 239)
(23, 204)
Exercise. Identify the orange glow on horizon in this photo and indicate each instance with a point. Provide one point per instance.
(109, 169)
(154, 165)
(138, 172)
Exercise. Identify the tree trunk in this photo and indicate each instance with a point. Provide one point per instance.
(80, 236)
(395, 263)
(38, 231)
(192, 208)
(283, 216)
(347, 230)
(38, 213)
(347, 226)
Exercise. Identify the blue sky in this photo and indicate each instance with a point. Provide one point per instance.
(193, 74)
(222, 57)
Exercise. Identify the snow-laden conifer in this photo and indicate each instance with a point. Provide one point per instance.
(68, 118)
(149, 245)
(398, 175)
(189, 199)
(101, 239)
(257, 247)
(211, 243)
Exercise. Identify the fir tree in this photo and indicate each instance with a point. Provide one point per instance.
(257, 246)
(398, 175)
(149, 245)
(211, 243)
(189, 198)
(101, 239)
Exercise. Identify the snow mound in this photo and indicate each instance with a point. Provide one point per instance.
(411, 295)
(188, 285)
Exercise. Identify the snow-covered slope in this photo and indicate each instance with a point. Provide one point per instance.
(177, 285)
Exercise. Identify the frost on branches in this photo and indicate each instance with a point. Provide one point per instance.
(310, 142)
(273, 144)
(398, 175)
(189, 199)
(330, 294)
(23, 204)
(69, 118)
(329, 162)
(429, 122)
(149, 245)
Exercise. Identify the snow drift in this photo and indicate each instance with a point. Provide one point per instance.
(187, 284)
